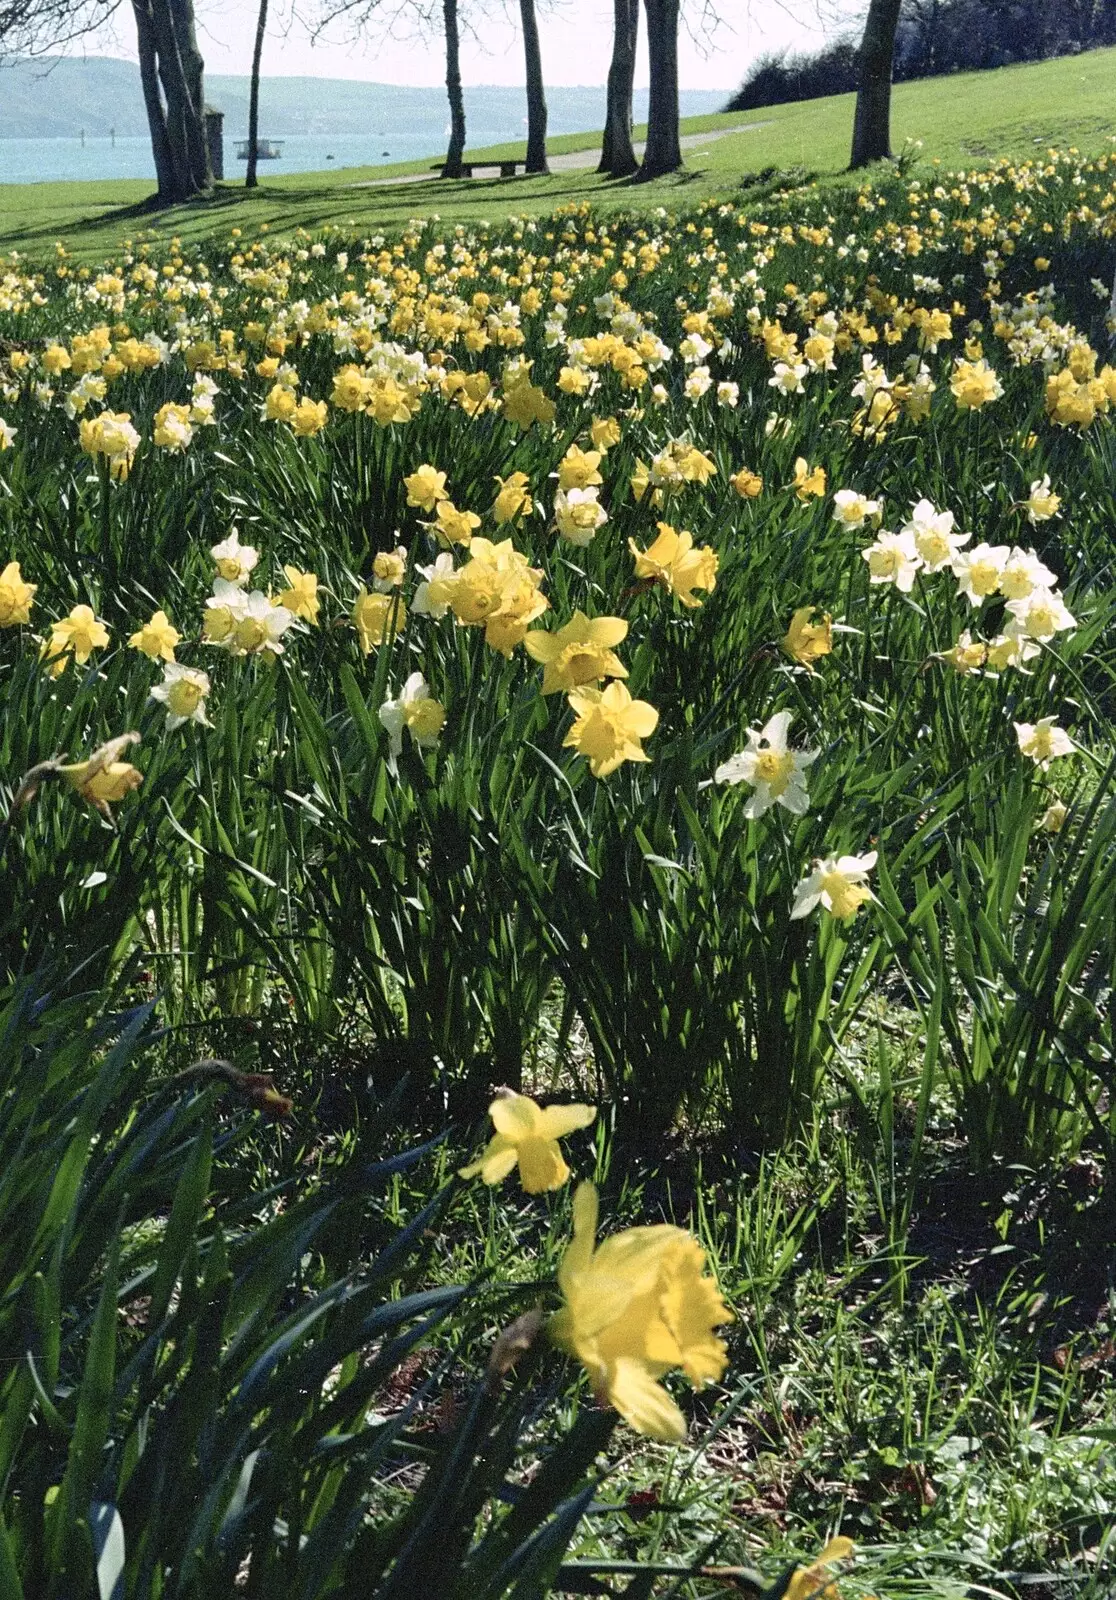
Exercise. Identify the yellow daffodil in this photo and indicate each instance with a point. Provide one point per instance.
(157, 638)
(513, 499)
(579, 652)
(76, 636)
(377, 617)
(425, 487)
(813, 1582)
(527, 1136)
(673, 562)
(15, 597)
(809, 482)
(609, 727)
(636, 1306)
(104, 778)
(806, 641)
(300, 597)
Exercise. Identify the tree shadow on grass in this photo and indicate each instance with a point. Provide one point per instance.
(314, 206)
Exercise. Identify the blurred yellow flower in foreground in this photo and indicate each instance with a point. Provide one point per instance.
(805, 640)
(15, 597)
(579, 652)
(609, 727)
(527, 1136)
(812, 1582)
(636, 1306)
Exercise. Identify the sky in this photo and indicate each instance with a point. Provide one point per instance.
(576, 40)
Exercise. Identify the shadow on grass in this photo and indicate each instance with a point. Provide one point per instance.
(313, 206)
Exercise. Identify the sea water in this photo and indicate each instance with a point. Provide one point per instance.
(420, 135)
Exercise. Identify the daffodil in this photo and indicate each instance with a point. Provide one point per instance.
(513, 499)
(813, 1582)
(300, 597)
(805, 640)
(527, 1136)
(578, 514)
(76, 636)
(15, 597)
(776, 772)
(183, 692)
(1041, 615)
(637, 1306)
(852, 510)
(451, 526)
(1042, 503)
(979, 572)
(839, 884)
(578, 468)
(676, 564)
(809, 482)
(934, 539)
(157, 638)
(235, 561)
(579, 652)
(609, 727)
(1023, 574)
(1043, 741)
(893, 558)
(104, 778)
(974, 384)
(417, 710)
(377, 617)
(425, 487)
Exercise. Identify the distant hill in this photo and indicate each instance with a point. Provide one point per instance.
(59, 97)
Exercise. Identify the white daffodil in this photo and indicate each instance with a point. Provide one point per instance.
(979, 571)
(893, 559)
(839, 884)
(415, 709)
(235, 561)
(578, 514)
(1023, 574)
(776, 772)
(933, 535)
(422, 604)
(183, 691)
(1043, 741)
(1042, 614)
(852, 510)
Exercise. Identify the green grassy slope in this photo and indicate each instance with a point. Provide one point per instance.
(962, 120)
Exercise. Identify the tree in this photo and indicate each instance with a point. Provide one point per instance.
(618, 158)
(254, 97)
(451, 167)
(663, 152)
(172, 75)
(33, 27)
(536, 93)
(872, 124)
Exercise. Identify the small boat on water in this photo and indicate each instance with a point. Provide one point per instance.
(266, 149)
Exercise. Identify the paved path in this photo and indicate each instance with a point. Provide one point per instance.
(572, 161)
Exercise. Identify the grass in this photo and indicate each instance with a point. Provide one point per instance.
(961, 120)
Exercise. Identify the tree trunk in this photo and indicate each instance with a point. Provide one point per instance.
(193, 72)
(618, 158)
(153, 103)
(185, 128)
(536, 94)
(452, 166)
(254, 97)
(664, 151)
(872, 125)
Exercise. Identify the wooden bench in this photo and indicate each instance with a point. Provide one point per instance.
(508, 169)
